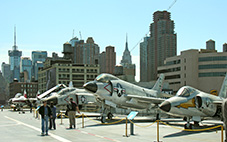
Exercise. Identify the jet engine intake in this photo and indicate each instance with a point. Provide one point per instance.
(205, 105)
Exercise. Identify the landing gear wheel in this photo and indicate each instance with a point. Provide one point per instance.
(196, 124)
(109, 115)
(103, 119)
(188, 126)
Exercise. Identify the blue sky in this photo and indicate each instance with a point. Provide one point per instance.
(48, 24)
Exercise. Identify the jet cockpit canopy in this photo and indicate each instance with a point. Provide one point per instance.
(185, 91)
(105, 78)
(18, 95)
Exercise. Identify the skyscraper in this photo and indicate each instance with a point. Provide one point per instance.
(26, 65)
(143, 59)
(38, 58)
(14, 59)
(161, 44)
(108, 60)
(85, 53)
(6, 72)
(126, 58)
(126, 62)
(90, 52)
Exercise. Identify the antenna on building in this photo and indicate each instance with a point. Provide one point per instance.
(171, 5)
(126, 44)
(73, 34)
(15, 43)
(80, 35)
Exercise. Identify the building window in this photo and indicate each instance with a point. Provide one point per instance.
(213, 66)
(214, 58)
(172, 77)
(212, 74)
(169, 70)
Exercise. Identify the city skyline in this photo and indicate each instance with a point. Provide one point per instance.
(47, 25)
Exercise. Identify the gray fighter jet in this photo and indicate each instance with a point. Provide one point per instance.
(115, 92)
(84, 99)
(193, 104)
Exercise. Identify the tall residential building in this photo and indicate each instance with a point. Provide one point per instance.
(225, 47)
(83, 53)
(38, 58)
(161, 44)
(6, 72)
(200, 69)
(126, 58)
(26, 66)
(210, 44)
(143, 59)
(108, 60)
(14, 59)
(77, 50)
(102, 62)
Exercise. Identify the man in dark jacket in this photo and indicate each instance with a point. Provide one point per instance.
(45, 112)
(71, 109)
(52, 119)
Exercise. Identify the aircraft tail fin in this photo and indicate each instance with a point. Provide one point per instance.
(38, 93)
(70, 84)
(223, 90)
(25, 94)
(159, 83)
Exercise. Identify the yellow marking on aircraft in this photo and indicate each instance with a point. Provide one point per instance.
(190, 103)
(214, 92)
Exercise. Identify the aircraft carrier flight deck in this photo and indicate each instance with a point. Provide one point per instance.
(24, 127)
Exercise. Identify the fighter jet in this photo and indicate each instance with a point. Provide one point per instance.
(115, 92)
(18, 101)
(193, 104)
(80, 96)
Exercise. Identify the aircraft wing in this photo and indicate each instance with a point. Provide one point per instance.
(145, 99)
(49, 91)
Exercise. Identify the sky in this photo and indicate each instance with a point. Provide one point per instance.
(47, 24)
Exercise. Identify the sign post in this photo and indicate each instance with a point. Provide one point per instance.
(131, 116)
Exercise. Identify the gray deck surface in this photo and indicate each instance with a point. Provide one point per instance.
(15, 127)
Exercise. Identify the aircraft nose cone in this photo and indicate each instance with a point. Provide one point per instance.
(165, 106)
(91, 86)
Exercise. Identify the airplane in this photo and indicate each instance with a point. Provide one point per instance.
(80, 96)
(19, 101)
(193, 104)
(114, 92)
